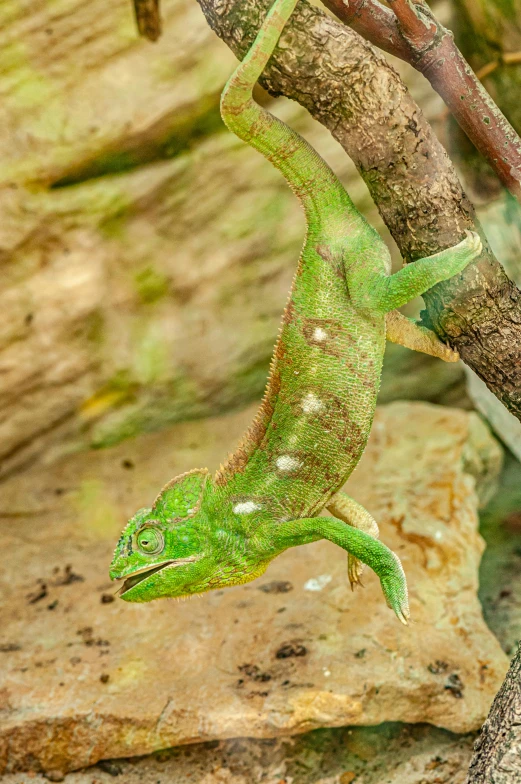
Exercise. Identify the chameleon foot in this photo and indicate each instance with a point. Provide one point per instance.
(406, 332)
(454, 260)
(473, 242)
(394, 587)
(351, 512)
(355, 569)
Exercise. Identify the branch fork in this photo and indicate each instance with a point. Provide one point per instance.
(411, 32)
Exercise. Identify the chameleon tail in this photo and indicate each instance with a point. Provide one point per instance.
(320, 192)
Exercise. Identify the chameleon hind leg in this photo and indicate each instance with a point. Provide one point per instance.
(357, 543)
(351, 512)
(406, 332)
(380, 292)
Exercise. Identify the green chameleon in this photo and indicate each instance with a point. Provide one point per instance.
(314, 421)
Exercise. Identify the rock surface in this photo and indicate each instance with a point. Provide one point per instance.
(388, 754)
(86, 678)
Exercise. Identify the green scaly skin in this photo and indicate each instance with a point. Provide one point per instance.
(316, 415)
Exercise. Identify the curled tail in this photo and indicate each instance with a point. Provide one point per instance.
(320, 192)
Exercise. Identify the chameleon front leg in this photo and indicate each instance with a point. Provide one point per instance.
(357, 543)
(351, 512)
(406, 332)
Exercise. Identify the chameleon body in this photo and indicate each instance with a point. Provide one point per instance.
(316, 415)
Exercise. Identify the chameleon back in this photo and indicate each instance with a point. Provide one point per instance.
(313, 424)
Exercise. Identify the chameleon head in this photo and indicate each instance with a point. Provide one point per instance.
(162, 552)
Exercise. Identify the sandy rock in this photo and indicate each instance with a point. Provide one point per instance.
(86, 678)
(82, 94)
(109, 328)
(388, 754)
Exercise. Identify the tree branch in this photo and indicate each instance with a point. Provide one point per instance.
(418, 30)
(497, 751)
(412, 33)
(353, 91)
(374, 22)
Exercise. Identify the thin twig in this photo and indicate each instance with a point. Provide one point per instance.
(148, 18)
(507, 58)
(416, 27)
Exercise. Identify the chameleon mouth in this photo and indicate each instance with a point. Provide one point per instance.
(138, 577)
(142, 574)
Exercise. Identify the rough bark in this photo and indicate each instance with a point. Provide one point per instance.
(497, 752)
(354, 92)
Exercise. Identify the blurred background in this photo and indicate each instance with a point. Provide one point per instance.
(146, 255)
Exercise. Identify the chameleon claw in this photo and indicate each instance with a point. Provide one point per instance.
(355, 569)
(473, 241)
(451, 355)
(394, 587)
(400, 609)
(403, 618)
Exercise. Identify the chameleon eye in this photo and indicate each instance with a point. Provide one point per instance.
(150, 541)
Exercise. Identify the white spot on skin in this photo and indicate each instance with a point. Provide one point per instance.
(311, 404)
(317, 583)
(246, 507)
(287, 463)
(320, 334)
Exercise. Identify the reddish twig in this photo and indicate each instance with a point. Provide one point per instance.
(411, 32)
(417, 29)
